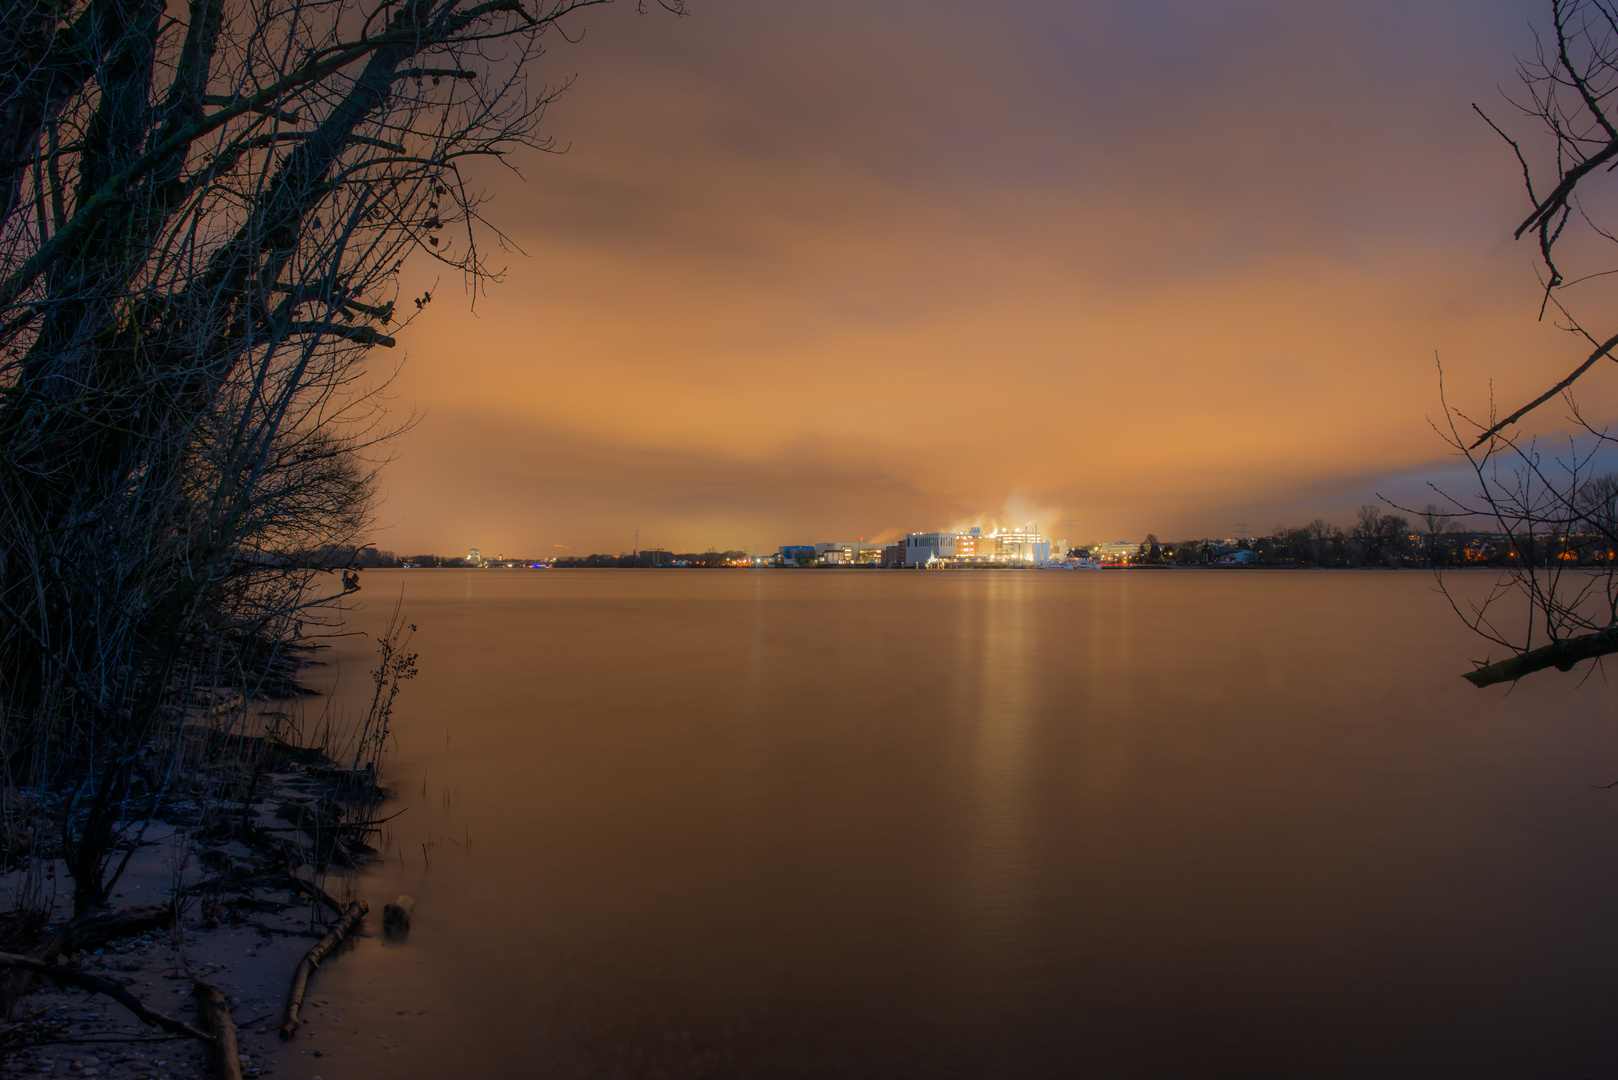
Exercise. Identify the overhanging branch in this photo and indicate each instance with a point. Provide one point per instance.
(1604, 349)
(1561, 655)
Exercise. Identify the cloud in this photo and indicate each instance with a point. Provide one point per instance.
(516, 486)
(816, 271)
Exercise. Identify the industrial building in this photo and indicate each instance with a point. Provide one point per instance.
(1010, 547)
(975, 546)
(850, 553)
(1115, 553)
(924, 548)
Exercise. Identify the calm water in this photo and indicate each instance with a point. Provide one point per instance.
(794, 824)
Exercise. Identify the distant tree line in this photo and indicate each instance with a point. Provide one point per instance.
(702, 559)
(373, 557)
(1378, 539)
(1375, 539)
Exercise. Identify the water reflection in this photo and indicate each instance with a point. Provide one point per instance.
(1015, 824)
(995, 854)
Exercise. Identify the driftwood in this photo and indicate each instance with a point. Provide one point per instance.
(97, 985)
(1561, 655)
(85, 931)
(95, 929)
(311, 960)
(396, 916)
(216, 1012)
(310, 889)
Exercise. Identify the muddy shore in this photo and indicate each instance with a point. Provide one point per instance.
(232, 894)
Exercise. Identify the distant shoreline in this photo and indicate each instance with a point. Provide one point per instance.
(970, 566)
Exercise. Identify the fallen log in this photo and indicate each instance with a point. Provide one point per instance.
(87, 931)
(216, 1013)
(93, 930)
(311, 960)
(97, 985)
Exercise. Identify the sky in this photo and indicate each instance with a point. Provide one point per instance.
(820, 271)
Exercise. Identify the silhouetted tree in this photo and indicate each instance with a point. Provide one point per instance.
(1435, 522)
(1368, 534)
(1535, 504)
(203, 210)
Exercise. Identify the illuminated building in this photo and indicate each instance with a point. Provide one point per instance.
(976, 546)
(850, 553)
(1020, 545)
(924, 548)
(1119, 551)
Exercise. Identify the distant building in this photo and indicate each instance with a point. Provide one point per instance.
(850, 553)
(976, 546)
(474, 557)
(1020, 545)
(924, 548)
(1119, 551)
(797, 554)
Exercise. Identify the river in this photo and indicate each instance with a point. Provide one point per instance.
(973, 824)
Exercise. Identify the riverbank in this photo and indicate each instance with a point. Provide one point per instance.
(228, 894)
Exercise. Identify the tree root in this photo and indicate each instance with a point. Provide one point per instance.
(300, 978)
(84, 932)
(97, 985)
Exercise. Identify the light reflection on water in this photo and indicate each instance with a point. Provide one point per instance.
(1013, 824)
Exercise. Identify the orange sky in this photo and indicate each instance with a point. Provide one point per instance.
(813, 271)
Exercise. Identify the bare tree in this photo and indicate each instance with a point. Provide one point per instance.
(1368, 533)
(202, 215)
(1567, 90)
(1597, 505)
(1556, 602)
(1317, 532)
(1394, 535)
(1435, 521)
